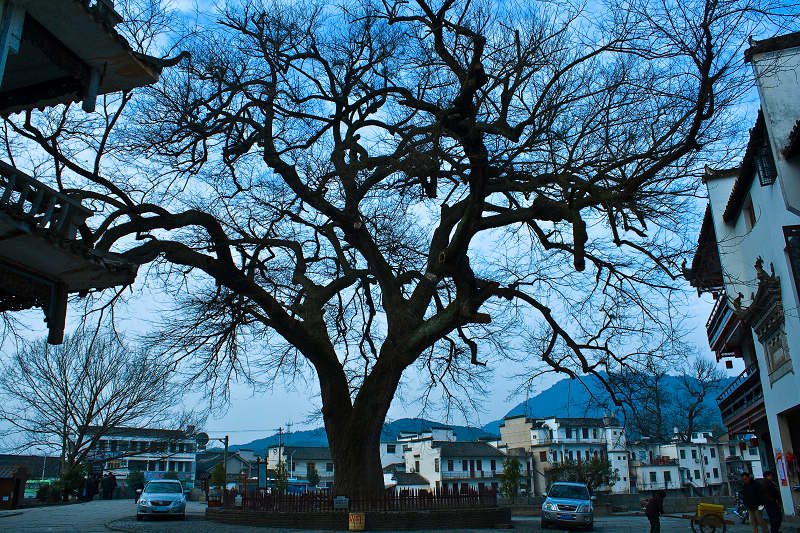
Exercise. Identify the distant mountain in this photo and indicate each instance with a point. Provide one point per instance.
(565, 398)
(317, 437)
(571, 398)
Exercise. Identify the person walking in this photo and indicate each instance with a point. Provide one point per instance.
(91, 487)
(138, 487)
(654, 510)
(753, 499)
(772, 501)
(108, 486)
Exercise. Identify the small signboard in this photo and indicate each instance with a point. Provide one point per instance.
(341, 502)
(356, 522)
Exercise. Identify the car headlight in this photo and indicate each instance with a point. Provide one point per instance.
(178, 502)
(548, 506)
(585, 508)
(142, 501)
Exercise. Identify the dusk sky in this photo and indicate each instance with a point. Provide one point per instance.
(251, 415)
(255, 414)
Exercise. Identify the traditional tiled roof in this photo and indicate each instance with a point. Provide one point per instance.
(394, 468)
(410, 478)
(780, 42)
(33, 464)
(467, 449)
(747, 171)
(303, 453)
(206, 461)
(792, 148)
(7, 472)
(583, 422)
(147, 433)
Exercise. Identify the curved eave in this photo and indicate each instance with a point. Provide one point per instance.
(63, 42)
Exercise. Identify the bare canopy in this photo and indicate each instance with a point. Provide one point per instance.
(363, 186)
(69, 396)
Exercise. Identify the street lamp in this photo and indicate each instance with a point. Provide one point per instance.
(203, 438)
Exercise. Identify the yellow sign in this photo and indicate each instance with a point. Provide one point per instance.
(356, 522)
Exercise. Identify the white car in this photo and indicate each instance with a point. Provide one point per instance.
(163, 497)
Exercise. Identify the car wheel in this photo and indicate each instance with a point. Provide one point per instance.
(183, 516)
(545, 524)
(138, 517)
(590, 527)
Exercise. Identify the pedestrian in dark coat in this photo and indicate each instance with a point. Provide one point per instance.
(654, 510)
(108, 486)
(753, 499)
(138, 487)
(91, 487)
(772, 501)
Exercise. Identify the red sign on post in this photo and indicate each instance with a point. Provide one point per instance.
(781, 466)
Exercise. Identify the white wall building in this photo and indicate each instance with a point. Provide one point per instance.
(454, 465)
(298, 460)
(554, 440)
(754, 271)
(391, 452)
(154, 452)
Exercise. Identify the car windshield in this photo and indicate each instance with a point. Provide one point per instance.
(573, 492)
(161, 487)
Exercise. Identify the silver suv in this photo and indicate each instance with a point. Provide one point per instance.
(568, 504)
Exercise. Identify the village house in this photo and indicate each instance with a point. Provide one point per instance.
(545, 442)
(748, 259)
(454, 465)
(298, 461)
(154, 452)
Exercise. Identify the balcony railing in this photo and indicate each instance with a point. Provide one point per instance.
(721, 324)
(473, 474)
(32, 201)
(748, 372)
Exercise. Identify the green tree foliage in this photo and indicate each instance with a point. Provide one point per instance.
(595, 472)
(313, 475)
(218, 476)
(281, 478)
(71, 480)
(510, 478)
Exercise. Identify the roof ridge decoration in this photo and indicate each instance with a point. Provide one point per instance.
(772, 44)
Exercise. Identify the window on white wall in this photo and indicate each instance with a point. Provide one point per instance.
(749, 213)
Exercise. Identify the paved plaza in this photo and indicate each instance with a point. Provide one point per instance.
(119, 515)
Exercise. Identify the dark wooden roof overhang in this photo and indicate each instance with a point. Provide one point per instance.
(705, 273)
(42, 258)
(61, 51)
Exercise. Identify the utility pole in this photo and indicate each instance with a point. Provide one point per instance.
(225, 461)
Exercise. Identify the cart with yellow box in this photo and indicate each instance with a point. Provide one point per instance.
(709, 518)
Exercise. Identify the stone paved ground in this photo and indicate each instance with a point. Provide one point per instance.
(616, 524)
(92, 517)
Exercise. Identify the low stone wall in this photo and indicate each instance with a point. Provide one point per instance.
(613, 503)
(440, 519)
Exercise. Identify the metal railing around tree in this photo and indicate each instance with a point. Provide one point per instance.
(404, 500)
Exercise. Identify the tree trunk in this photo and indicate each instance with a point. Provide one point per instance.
(354, 429)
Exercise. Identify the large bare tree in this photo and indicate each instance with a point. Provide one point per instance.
(365, 186)
(69, 396)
